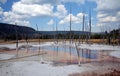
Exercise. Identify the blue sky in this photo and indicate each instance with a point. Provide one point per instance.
(46, 13)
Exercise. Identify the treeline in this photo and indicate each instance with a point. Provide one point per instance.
(61, 34)
(10, 32)
(112, 37)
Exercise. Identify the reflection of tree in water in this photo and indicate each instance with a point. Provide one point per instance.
(78, 53)
(85, 55)
(70, 52)
(64, 51)
(89, 53)
(82, 55)
(55, 54)
(57, 51)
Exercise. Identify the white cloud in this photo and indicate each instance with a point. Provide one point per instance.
(53, 2)
(11, 15)
(80, 15)
(26, 9)
(31, 1)
(61, 11)
(1, 10)
(108, 19)
(13, 18)
(106, 5)
(51, 22)
(32, 9)
(3, 1)
(21, 22)
(74, 19)
(21, 12)
(108, 12)
(77, 1)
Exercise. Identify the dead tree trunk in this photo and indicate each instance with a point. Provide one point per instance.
(70, 27)
(16, 40)
(56, 33)
(38, 39)
(90, 24)
(83, 28)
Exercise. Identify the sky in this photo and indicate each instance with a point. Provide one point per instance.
(46, 14)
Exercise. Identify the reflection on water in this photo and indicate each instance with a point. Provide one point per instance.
(85, 53)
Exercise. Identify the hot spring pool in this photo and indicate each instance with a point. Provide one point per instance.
(85, 53)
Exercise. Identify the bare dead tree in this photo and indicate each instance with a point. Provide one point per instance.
(90, 23)
(16, 31)
(108, 36)
(86, 29)
(38, 39)
(42, 61)
(26, 39)
(103, 34)
(70, 36)
(64, 37)
(79, 38)
(83, 27)
(56, 33)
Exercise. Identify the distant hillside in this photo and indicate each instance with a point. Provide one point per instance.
(9, 31)
(61, 32)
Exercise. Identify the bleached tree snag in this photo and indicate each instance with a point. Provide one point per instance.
(89, 24)
(70, 36)
(39, 39)
(56, 33)
(83, 27)
(16, 40)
